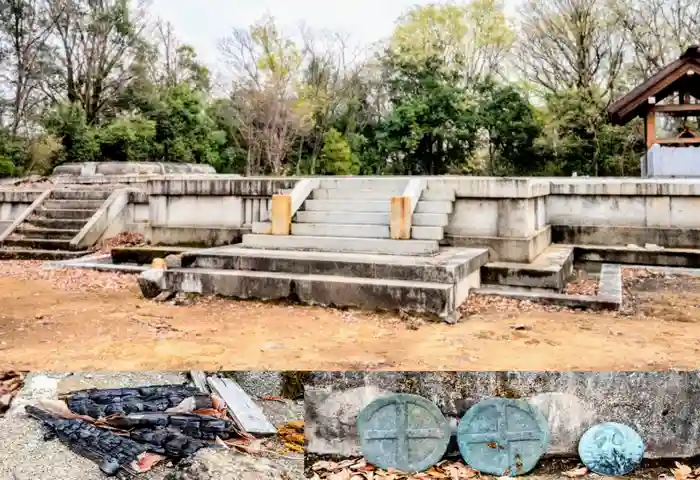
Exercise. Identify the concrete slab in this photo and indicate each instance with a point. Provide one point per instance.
(326, 290)
(354, 194)
(450, 265)
(609, 293)
(592, 255)
(507, 249)
(341, 245)
(552, 269)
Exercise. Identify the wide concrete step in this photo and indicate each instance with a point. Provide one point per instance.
(36, 254)
(451, 265)
(341, 244)
(437, 195)
(58, 233)
(80, 194)
(373, 206)
(362, 231)
(354, 194)
(73, 214)
(552, 270)
(38, 243)
(60, 223)
(327, 290)
(364, 183)
(369, 218)
(72, 204)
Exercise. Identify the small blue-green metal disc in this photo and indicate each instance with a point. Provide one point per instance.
(503, 437)
(611, 449)
(403, 431)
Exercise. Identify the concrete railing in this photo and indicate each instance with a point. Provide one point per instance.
(286, 205)
(256, 209)
(402, 208)
(24, 215)
(103, 218)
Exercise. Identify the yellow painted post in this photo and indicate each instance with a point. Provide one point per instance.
(281, 214)
(400, 218)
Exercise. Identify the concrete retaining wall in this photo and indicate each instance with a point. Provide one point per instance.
(130, 168)
(623, 211)
(515, 217)
(659, 405)
(13, 203)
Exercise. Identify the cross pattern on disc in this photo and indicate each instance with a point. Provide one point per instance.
(504, 439)
(403, 432)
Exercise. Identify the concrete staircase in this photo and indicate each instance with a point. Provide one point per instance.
(353, 216)
(47, 233)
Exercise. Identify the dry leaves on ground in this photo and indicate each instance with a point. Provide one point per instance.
(292, 434)
(124, 239)
(359, 469)
(477, 304)
(10, 384)
(68, 279)
(682, 472)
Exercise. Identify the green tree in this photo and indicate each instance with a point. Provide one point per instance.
(511, 127)
(431, 129)
(336, 156)
(127, 140)
(68, 123)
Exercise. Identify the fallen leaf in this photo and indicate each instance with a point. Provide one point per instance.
(577, 472)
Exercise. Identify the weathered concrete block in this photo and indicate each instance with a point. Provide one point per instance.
(152, 282)
(659, 405)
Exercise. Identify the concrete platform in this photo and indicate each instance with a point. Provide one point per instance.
(552, 269)
(435, 285)
(341, 244)
(451, 265)
(590, 257)
(609, 295)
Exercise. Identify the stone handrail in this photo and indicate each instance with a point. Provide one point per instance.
(284, 206)
(100, 221)
(402, 208)
(24, 215)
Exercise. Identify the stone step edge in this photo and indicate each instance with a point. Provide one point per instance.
(320, 296)
(429, 247)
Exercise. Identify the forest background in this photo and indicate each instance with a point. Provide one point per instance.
(458, 88)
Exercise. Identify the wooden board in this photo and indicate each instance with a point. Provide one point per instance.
(245, 412)
(200, 380)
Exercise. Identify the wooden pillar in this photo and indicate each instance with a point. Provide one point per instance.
(650, 128)
(400, 223)
(281, 213)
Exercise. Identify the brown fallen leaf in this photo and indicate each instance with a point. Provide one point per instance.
(576, 472)
(682, 472)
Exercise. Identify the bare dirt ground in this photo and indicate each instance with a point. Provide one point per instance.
(67, 320)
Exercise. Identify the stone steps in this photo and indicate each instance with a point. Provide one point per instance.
(39, 254)
(373, 206)
(38, 243)
(80, 195)
(383, 194)
(63, 214)
(59, 223)
(361, 231)
(46, 233)
(369, 218)
(52, 204)
(341, 244)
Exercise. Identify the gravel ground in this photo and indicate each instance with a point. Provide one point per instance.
(26, 456)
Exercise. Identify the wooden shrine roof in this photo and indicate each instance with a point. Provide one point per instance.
(673, 77)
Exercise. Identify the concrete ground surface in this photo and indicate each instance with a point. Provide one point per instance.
(26, 456)
(67, 320)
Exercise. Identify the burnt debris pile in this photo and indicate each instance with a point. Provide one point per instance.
(131, 429)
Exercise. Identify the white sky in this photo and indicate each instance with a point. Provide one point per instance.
(202, 23)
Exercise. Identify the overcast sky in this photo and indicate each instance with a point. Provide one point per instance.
(201, 23)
